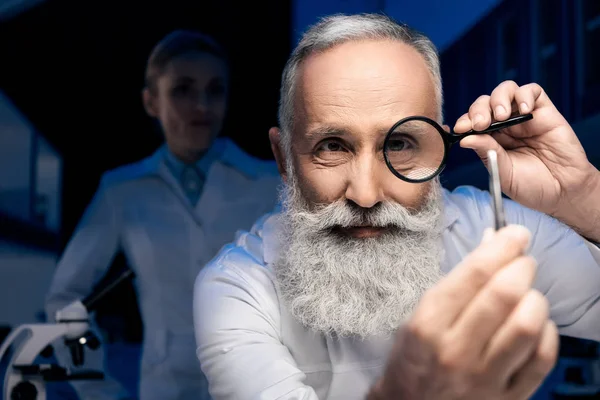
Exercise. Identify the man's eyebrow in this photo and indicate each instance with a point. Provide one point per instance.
(414, 127)
(323, 131)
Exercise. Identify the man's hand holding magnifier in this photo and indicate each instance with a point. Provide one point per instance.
(483, 332)
(542, 163)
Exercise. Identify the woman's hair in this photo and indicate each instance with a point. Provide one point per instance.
(175, 44)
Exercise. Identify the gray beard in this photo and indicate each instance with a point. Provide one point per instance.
(361, 287)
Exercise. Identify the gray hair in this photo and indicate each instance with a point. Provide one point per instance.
(338, 29)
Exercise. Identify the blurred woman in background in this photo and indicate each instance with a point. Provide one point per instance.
(169, 214)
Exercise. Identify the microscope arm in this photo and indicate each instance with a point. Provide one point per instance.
(23, 379)
(30, 340)
(38, 337)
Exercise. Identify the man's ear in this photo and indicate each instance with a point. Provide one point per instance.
(149, 103)
(446, 128)
(276, 148)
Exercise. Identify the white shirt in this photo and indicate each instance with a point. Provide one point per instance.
(251, 348)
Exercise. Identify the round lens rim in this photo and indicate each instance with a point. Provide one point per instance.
(440, 131)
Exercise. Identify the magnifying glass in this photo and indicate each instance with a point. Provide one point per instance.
(416, 148)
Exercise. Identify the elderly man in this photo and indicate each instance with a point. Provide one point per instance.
(368, 286)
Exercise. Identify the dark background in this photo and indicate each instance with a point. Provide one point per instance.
(76, 71)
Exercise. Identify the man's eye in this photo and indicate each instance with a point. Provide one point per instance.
(399, 143)
(332, 146)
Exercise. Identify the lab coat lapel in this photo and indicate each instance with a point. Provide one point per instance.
(177, 190)
(213, 192)
(156, 165)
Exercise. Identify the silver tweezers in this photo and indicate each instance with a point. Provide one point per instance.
(496, 190)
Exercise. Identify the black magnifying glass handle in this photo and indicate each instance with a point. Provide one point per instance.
(494, 127)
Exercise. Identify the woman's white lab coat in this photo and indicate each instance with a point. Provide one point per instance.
(141, 209)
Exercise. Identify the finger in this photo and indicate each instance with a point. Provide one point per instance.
(507, 141)
(516, 340)
(525, 97)
(488, 235)
(481, 144)
(491, 307)
(480, 113)
(542, 361)
(441, 305)
(501, 100)
(463, 124)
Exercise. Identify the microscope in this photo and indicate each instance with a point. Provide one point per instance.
(25, 380)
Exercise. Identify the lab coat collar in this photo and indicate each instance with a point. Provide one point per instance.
(153, 164)
(271, 230)
(222, 150)
(202, 165)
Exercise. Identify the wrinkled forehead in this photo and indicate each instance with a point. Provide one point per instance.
(365, 83)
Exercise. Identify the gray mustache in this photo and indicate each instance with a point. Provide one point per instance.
(345, 214)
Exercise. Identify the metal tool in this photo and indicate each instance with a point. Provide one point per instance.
(496, 190)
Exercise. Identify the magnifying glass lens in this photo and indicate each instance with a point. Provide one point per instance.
(415, 150)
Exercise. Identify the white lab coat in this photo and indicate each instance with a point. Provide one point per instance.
(141, 209)
(261, 352)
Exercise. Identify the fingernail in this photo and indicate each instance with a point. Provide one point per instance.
(488, 234)
(478, 118)
(500, 110)
(461, 121)
(523, 107)
(466, 143)
(518, 232)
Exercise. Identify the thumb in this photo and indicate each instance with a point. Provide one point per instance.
(481, 144)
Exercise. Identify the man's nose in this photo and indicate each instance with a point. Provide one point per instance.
(363, 187)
